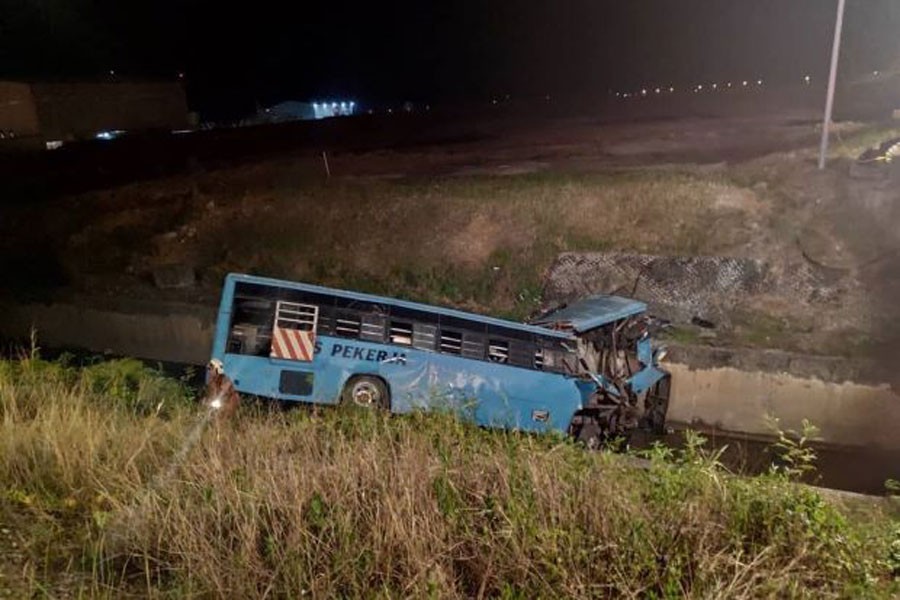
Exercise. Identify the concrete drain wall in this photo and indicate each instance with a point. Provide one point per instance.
(710, 386)
(849, 414)
(173, 333)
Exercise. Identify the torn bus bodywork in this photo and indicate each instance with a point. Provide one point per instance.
(624, 386)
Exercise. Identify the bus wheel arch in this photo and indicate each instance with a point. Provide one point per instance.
(367, 391)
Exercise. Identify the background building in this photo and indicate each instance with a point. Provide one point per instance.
(72, 111)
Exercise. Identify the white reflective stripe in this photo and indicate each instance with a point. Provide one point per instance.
(308, 339)
(293, 344)
(279, 348)
(296, 348)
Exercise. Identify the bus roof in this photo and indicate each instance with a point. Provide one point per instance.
(591, 312)
(239, 277)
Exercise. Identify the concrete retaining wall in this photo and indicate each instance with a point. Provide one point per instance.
(732, 390)
(182, 334)
(730, 399)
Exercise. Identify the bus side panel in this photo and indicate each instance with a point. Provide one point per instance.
(335, 361)
(494, 395)
(400, 367)
(490, 394)
(261, 376)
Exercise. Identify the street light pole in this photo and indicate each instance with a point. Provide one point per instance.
(832, 77)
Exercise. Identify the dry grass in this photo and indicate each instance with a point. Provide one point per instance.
(344, 504)
(853, 145)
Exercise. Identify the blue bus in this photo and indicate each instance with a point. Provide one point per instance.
(587, 369)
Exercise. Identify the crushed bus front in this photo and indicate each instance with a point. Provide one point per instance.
(622, 382)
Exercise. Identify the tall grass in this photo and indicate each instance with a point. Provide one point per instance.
(340, 503)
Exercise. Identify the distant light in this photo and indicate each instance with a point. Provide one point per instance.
(627, 94)
(112, 72)
(180, 75)
(494, 101)
(54, 144)
(671, 89)
(334, 105)
(352, 104)
(806, 78)
(618, 95)
(759, 82)
(108, 135)
(700, 87)
(729, 84)
(715, 86)
(875, 73)
(390, 111)
(656, 90)
(644, 92)
(744, 83)
(547, 97)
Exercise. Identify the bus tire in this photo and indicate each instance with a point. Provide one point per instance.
(657, 405)
(366, 391)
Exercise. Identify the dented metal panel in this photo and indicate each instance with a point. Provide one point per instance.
(590, 313)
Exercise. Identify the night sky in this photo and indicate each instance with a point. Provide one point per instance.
(441, 51)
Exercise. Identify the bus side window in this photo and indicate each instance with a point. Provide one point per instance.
(424, 336)
(498, 351)
(521, 354)
(326, 320)
(473, 345)
(372, 328)
(347, 323)
(539, 359)
(251, 326)
(401, 333)
(554, 357)
(451, 341)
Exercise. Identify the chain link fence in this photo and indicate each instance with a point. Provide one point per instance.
(681, 288)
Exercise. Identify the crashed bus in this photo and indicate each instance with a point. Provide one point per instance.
(587, 369)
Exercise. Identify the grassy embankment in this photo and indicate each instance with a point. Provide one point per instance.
(485, 242)
(99, 500)
(481, 243)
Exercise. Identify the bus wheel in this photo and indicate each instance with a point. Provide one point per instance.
(657, 405)
(367, 392)
(590, 434)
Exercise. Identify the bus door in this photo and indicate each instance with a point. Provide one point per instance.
(294, 339)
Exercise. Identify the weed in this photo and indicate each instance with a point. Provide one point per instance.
(348, 503)
(797, 456)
